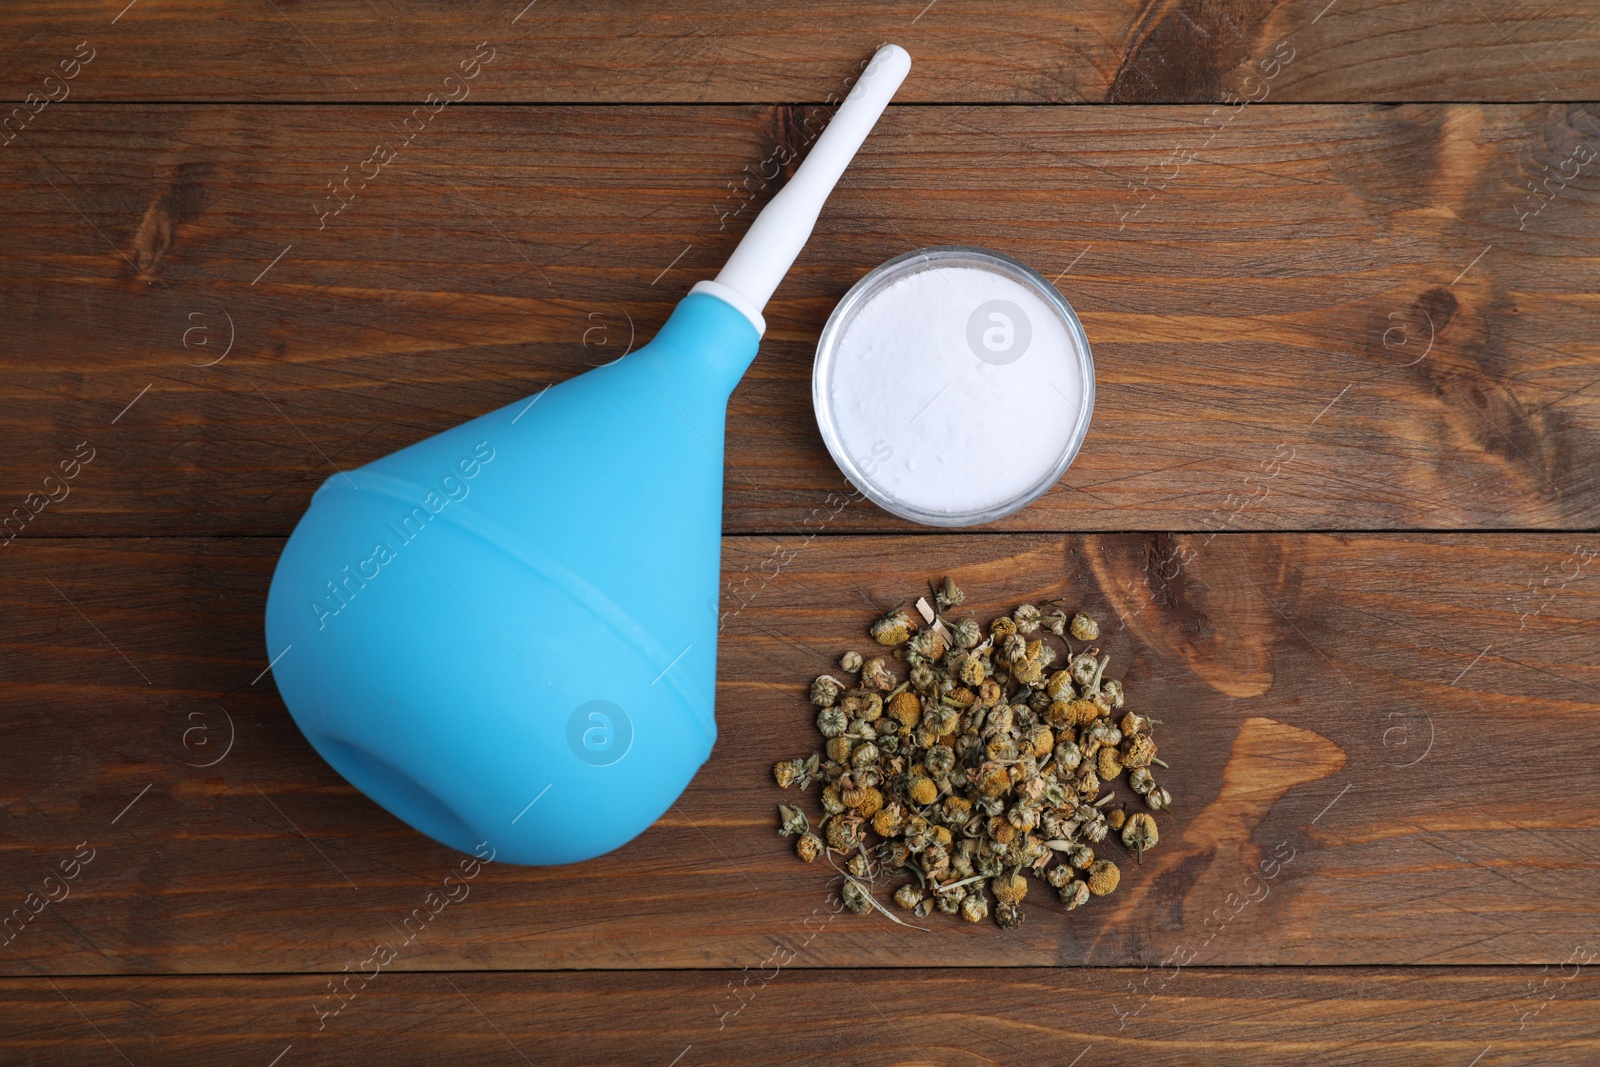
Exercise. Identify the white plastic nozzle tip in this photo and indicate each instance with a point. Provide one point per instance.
(776, 236)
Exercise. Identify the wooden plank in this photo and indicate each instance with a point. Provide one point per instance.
(1405, 721)
(1294, 332)
(705, 51)
(1202, 1016)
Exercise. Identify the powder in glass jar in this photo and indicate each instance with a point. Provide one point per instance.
(957, 389)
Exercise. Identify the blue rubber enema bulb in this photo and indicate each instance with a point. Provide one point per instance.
(507, 633)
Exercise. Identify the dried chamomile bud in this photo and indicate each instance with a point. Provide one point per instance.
(888, 821)
(808, 847)
(1026, 618)
(1040, 740)
(850, 661)
(855, 897)
(1115, 818)
(1133, 723)
(1070, 714)
(858, 865)
(832, 801)
(975, 908)
(905, 708)
(908, 896)
(792, 821)
(1060, 875)
(1138, 751)
(1074, 894)
(1141, 781)
(1068, 755)
(1108, 763)
(928, 645)
(894, 627)
(1111, 692)
(1158, 799)
(1031, 670)
(831, 722)
(875, 674)
(941, 720)
(1084, 628)
(1009, 888)
(1140, 833)
(825, 690)
(787, 772)
(862, 704)
(994, 783)
(895, 856)
(844, 832)
(1056, 795)
(1059, 686)
(1024, 815)
(1002, 628)
(1001, 718)
(1103, 877)
(855, 796)
(1034, 853)
(923, 791)
(940, 759)
(838, 748)
(872, 802)
(949, 595)
(967, 633)
(1001, 748)
(1084, 667)
(863, 754)
(1009, 916)
(1081, 857)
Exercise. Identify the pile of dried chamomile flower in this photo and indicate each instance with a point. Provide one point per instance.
(983, 765)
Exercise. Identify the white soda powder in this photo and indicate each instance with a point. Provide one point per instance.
(927, 375)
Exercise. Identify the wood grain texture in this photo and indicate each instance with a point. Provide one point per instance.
(1404, 1017)
(1328, 318)
(710, 51)
(1406, 722)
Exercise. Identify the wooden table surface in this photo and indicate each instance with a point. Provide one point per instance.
(1338, 262)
